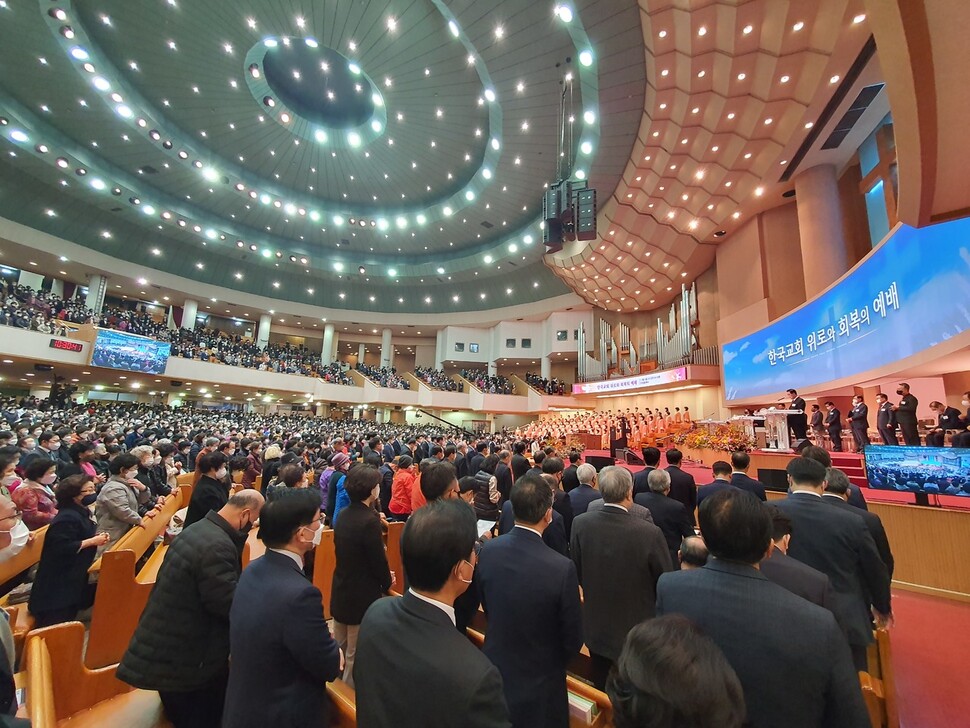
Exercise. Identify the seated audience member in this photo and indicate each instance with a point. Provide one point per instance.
(722, 480)
(618, 560)
(210, 492)
(413, 667)
(740, 462)
(790, 655)
(122, 500)
(181, 645)
(668, 515)
(271, 463)
(61, 587)
(35, 495)
(693, 553)
(793, 575)
(282, 651)
(671, 675)
(530, 596)
(361, 576)
(9, 480)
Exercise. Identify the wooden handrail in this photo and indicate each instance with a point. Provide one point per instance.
(344, 701)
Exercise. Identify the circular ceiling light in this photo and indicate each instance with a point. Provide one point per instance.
(586, 58)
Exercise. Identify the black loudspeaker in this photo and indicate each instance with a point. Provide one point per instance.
(922, 498)
(630, 457)
(43, 368)
(175, 383)
(800, 445)
(586, 215)
(598, 461)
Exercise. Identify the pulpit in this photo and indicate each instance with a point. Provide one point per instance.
(590, 441)
(776, 429)
(747, 423)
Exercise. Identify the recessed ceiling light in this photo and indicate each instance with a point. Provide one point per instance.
(798, 26)
(858, 18)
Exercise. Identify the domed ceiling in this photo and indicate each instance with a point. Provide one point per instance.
(392, 156)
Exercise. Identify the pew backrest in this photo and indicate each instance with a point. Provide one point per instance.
(28, 556)
(343, 700)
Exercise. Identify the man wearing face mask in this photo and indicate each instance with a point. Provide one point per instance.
(181, 645)
(282, 651)
(47, 449)
(906, 415)
(962, 439)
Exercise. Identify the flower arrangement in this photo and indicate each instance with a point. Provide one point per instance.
(724, 438)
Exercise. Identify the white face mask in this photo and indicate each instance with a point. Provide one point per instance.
(966, 403)
(220, 473)
(18, 539)
(317, 535)
(131, 474)
(156, 460)
(54, 445)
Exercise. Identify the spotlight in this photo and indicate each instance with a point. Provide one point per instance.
(362, 270)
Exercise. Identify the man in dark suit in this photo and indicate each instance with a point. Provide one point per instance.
(530, 596)
(859, 422)
(651, 459)
(722, 480)
(837, 494)
(475, 463)
(788, 653)
(838, 544)
(619, 592)
(833, 423)
(552, 467)
(569, 477)
(818, 426)
(740, 462)
(554, 536)
(282, 652)
(503, 474)
(413, 667)
(586, 493)
(947, 418)
(520, 463)
(797, 423)
(669, 515)
(886, 420)
(682, 486)
(636, 510)
(821, 455)
(906, 415)
(793, 575)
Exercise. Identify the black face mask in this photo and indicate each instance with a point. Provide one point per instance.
(899, 391)
(246, 529)
(89, 499)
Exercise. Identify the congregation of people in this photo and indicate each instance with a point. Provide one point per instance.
(437, 379)
(553, 386)
(771, 607)
(489, 383)
(383, 376)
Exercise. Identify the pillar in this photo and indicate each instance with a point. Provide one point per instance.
(439, 347)
(326, 352)
(57, 287)
(546, 368)
(386, 349)
(335, 351)
(96, 289)
(31, 280)
(824, 255)
(190, 312)
(492, 369)
(262, 333)
(361, 350)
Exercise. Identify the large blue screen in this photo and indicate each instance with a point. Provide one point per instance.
(116, 350)
(911, 293)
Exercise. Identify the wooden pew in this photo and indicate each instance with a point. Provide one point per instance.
(63, 692)
(121, 595)
(21, 622)
(879, 683)
(343, 702)
(185, 479)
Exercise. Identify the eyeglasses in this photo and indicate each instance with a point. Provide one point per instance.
(18, 514)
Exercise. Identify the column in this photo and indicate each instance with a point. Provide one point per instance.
(824, 256)
(439, 344)
(57, 287)
(96, 288)
(335, 351)
(262, 333)
(386, 349)
(326, 352)
(546, 368)
(492, 369)
(360, 353)
(190, 312)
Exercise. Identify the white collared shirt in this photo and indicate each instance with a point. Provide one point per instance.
(527, 528)
(447, 609)
(808, 492)
(616, 505)
(296, 559)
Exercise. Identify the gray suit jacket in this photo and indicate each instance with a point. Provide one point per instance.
(619, 592)
(636, 510)
(790, 656)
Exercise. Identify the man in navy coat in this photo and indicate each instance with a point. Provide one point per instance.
(530, 595)
(282, 652)
(740, 462)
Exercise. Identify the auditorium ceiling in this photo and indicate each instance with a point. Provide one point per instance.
(390, 157)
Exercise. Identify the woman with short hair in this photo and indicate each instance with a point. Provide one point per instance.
(35, 496)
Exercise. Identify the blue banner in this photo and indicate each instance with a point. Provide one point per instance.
(911, 293)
